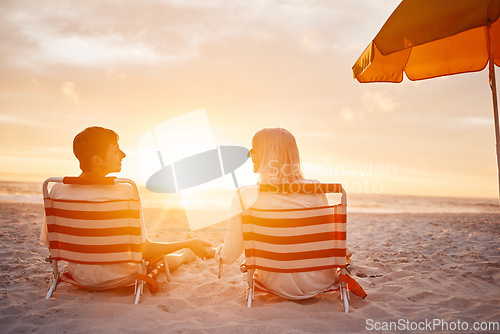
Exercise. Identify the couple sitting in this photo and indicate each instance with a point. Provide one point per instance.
(99, 154)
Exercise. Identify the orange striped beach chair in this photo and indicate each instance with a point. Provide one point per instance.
(298, 240)
(100, 231)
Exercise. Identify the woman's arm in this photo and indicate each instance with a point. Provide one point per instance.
(232, 248)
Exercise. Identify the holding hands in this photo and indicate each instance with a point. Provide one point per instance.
(201, 248)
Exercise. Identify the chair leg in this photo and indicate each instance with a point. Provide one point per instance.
(250, 294)
(345, 298)
(167, 269)
(54, 279)
(139, 286)
(52, 285)
(219, 274)
(250, 299)
(139, 283)
(344, 292)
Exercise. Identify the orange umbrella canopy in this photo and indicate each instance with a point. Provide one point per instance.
(431, 38)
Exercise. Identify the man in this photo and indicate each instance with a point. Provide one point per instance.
(99, 154)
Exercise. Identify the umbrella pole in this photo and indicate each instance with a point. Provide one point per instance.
(493, 87)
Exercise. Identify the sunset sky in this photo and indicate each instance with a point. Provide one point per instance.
(130, 65)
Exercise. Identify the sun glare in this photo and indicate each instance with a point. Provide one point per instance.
(175, 139)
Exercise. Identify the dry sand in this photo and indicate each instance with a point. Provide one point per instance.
(414, 267)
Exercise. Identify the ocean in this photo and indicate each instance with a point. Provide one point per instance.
(31, 192)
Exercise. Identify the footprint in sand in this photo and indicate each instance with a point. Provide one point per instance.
(163, 308)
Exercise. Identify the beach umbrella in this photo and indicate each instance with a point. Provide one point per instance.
(432, 38)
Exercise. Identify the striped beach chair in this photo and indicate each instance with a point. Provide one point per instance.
(298, 240)
(100, 231)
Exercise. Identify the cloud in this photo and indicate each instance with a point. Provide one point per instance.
(476, 121)
(68, 89)
(35, 82)
(91, 50)
(17, 120)
(372, 102)
(112, 74)
(377, 102)
(172, 31)
(350, 114)
(313, 41)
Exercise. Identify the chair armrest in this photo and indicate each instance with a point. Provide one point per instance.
(89, 180)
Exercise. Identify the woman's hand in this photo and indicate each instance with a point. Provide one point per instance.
(218, 254)
(201, 248)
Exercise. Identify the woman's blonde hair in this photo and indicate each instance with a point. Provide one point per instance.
(277, 156)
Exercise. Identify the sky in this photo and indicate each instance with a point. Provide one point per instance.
(131, 65)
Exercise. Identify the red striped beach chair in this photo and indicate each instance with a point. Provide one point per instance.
(298, 240)
(96, 232)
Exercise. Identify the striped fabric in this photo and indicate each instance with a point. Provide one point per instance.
(295, 240)
(92, 232)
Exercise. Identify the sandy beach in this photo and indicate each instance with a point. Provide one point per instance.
(416, 269)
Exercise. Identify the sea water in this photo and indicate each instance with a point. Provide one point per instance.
(31, 192)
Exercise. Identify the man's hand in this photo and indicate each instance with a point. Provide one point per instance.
(201, 248)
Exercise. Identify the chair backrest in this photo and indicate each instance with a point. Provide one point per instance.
(296, 240)
(96, 231)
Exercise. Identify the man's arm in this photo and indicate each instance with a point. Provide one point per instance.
(153, 249)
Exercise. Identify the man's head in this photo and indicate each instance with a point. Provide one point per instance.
(97, 150)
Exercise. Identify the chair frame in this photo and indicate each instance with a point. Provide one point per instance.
(56, 274)
(300, 188)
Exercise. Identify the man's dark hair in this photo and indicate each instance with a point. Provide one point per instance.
(93, 141)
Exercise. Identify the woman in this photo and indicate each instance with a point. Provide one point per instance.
(276, 159)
